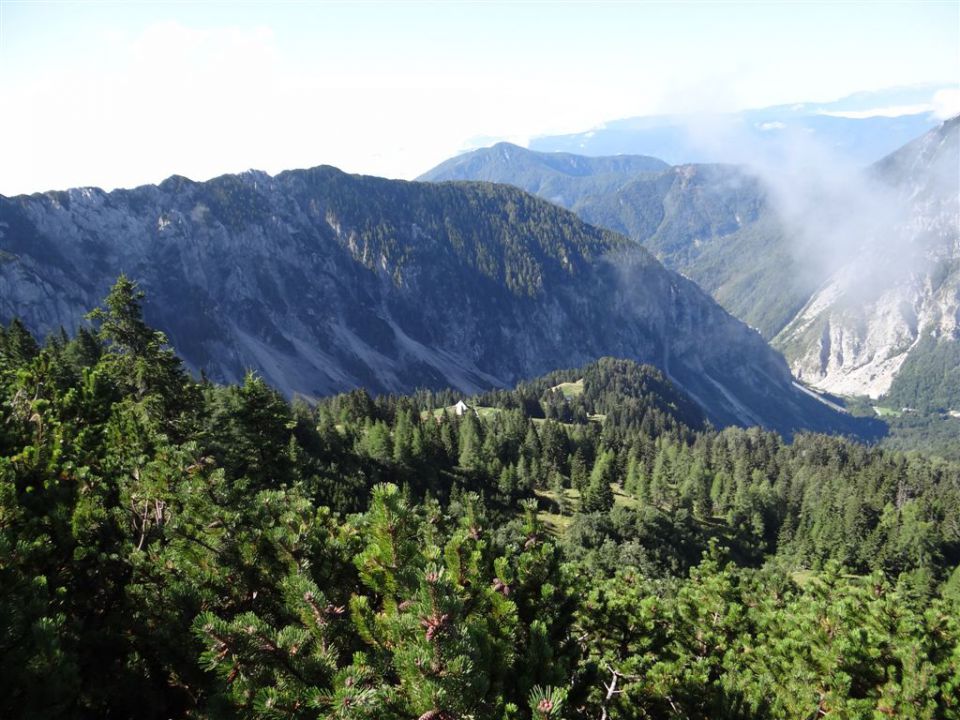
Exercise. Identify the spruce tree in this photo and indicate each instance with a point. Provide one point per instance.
(599, 494)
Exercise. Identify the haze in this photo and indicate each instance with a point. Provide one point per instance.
(116, 95)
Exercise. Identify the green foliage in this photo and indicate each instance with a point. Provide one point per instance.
(735, 643)
(929, 379)
(931, 435)
(598, 496)
(170, 549)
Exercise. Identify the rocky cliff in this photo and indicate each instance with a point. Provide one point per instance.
(900, 292)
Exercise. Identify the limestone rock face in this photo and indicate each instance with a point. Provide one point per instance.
(902, 287)
(322, 282)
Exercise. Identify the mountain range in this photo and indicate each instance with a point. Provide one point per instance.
(860, 129)
(694, 218)
(848, 273)
(322, 281)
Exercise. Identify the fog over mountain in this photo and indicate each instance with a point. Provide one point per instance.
(847, 269)
(894, 289)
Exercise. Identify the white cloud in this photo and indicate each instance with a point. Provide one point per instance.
(116, 96)
(946, 103)
(892, 111)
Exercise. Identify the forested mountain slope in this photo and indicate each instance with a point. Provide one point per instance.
(713, 223)
(323, 281)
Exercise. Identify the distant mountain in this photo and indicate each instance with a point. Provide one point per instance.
(854, 128)
(560, 178)
(859, 140)
(847, 280)
(323, 281)
(703, 220)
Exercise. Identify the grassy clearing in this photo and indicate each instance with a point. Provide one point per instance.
(570, 389)
(484, 413)
(488, 413)
(550, 504)
(549, 501)
(592, 418)
(621, 498)
(555, 524)
(886, 412)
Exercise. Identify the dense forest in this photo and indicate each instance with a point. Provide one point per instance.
(583, 546)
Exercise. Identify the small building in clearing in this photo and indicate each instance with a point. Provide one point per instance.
(460, 408)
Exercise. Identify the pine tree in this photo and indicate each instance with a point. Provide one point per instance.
(448, 439)
(599, 494)
(403, 437)
(470, 442)
(378, 443)
(17, 346)
(579, 473)
(139, 358)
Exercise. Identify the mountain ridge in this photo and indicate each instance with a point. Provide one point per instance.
(323, 281)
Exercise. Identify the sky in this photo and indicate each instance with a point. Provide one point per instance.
(121, 94)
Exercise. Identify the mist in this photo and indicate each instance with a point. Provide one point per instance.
(856, 228)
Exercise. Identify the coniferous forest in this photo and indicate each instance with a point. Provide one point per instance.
(586, 545)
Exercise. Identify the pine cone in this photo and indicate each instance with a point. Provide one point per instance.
(436, 715)
(434, 624)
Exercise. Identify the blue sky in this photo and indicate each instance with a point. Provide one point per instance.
(111, 94)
